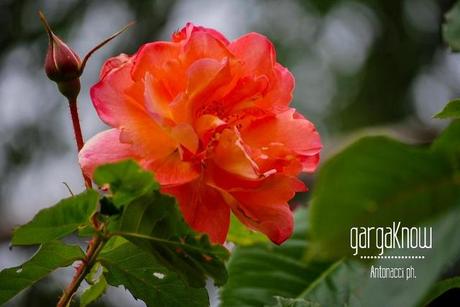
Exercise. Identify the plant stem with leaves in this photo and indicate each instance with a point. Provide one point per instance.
(94, 247)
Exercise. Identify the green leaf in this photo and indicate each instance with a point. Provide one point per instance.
(126, 179)
(411, 292)
(146, 279)
(58, 221)
(49, 257)
(376, 181)
(242, 235)
(291, 302)
(440, 288)
(93, 292)
(449, 143)
(260, 272)
(451, 28)
(339, 285)
(451, 110)
(347, 283)
(154, 223)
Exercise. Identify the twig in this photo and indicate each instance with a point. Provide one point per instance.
(94, 247)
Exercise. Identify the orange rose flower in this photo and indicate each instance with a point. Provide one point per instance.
(211, 119)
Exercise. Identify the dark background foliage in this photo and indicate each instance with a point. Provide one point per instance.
(374, 65)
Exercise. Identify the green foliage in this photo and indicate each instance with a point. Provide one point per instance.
(290, 302)
(449, 143)
(93, 292)
(451, 28)
(260, 272)
(153, 222)
(50, 256)
(127, 181)
(440, 287)
(97, 286)
(147, 279)
(241, 235)
(163, 260)
(411, 292)
(58, 221)
(376, 181)
(339, 285)
(451, 110)
(255, 277)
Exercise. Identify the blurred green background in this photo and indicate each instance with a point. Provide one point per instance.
(360, 67)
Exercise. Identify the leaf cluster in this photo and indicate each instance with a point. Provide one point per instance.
(147, 247)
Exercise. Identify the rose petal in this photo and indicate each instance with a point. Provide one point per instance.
(203, 45)
(203, 208)
(265, 209)
(104, 147)
(171, 170)
(296, 134)
(256, 51)
(153, 57)
(186, 32)
(113, 63)
(206, 79)
(149, 139)
(108, 94)
(279, 94)
(156, 99)
(231, 155)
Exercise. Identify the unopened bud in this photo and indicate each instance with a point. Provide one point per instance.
(62, 64)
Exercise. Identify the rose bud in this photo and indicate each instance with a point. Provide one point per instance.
(62, 64)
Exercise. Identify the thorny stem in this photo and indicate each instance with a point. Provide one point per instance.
(94, 247)
(78, 134)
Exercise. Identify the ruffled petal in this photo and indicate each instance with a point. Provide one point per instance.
(279, 94)
(206, 80)
(256, 51)
(290, 132)
(153, 58)
(185, 33)
(265, 208)
(206, 125)
(113, 63)
(259, 58)
(203, 44)
(121, 104)
(104, 147)
(149, 139)
(231, 155)
(246, 93)
(203, 208)
(186, 136)
(171, 170)
(157, 99)
(108, 95)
